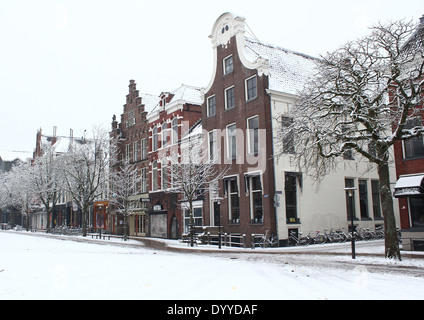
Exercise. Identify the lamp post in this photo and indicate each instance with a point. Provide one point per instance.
(350, 193)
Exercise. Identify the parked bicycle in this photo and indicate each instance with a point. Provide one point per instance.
(334, 236)
(268, 240)
(298, 240)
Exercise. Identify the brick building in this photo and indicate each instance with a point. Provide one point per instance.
(409, 159)
(252, 87)
(168, 122)
(132, 136)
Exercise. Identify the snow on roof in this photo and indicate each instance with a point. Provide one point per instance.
(288, 70)
(62, 144)
(149, 100)
(187, 93)
(416, 41)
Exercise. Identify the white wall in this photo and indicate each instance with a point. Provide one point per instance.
(321, 205)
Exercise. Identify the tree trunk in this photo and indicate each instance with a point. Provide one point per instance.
(84, 221)
(391, 239)
(191, 224)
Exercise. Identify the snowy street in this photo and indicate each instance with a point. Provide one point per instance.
(34, 266)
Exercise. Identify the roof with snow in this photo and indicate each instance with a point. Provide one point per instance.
(416, 42)
(149, 100)
(184, 94)
(288, 70)
(187, 93)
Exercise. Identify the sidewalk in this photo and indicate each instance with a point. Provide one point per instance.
(373, 248)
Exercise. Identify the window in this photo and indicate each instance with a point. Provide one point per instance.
(253, 135)
(127, 152)
(288, 139)
(155, 185)
(228, 65)
(363, 199)
(164, 176)
(134, 183)
(197, 217)
(350, 199)
(251, 89)
(164, 133)
(348, 154)
(174, 130)
(143, 180)
(232, 191)
(256, 210)
(231, 142)
(213, 153)
(376, 204)
(414, 147)
(230, 99)
(155, 139)
(211, 107)
(416, 207)
(143, 149)
(290, 188)
(135, 151)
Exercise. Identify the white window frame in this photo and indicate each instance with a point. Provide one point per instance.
(228, 193)
(226, 98)
(249, 141)
(249, 191)
(155, 182)
(174, 128)
(143, 179)
(135, 151)
(212, 154)
(127, 152)
(246, 90)
(228, 144)
(164, 135)
(224, 64)
(164, 176)
(143, 149)
(208, 113)
(155, 140)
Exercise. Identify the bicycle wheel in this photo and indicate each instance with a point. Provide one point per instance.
(263, 243)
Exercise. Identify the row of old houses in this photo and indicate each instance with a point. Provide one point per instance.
(238, 116)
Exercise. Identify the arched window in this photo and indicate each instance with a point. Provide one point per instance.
(174, 130)
(155, 139)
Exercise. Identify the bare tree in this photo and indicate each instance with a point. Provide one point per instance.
(123, 182)
(44, 177)
(192, 172)
(85, 170)
(15, 192)
(359, 102)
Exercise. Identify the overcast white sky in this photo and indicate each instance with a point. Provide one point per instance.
(68, 63)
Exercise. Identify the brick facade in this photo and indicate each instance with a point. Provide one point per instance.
(176, 112)
(245, 162)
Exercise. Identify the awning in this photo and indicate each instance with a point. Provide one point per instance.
(409, 186)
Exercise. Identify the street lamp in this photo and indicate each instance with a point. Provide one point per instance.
(350, 193)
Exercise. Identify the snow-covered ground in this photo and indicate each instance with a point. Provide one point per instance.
(33, 266)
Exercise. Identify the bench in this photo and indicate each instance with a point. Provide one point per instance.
(99, 236)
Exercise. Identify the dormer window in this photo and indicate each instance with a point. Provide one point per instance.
(228, 65)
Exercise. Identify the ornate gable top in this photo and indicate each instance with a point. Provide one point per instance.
(225, 27)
